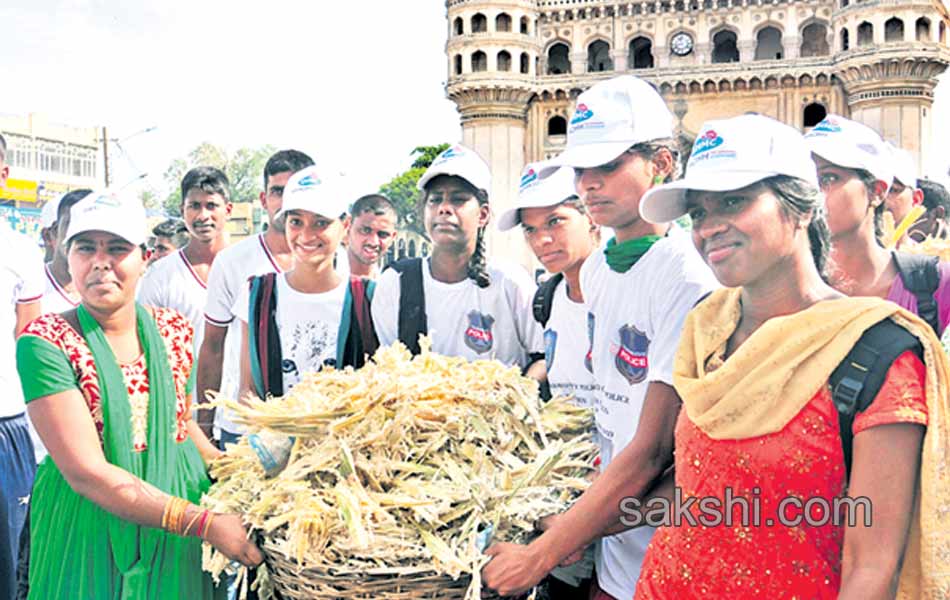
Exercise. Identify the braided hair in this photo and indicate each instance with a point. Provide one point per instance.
(478, 262)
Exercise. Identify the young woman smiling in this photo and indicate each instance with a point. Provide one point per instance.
(759, 423)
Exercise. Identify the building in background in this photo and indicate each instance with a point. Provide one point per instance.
(515, 68)
(46, 160)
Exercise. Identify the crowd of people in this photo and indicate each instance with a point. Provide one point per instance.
(739, 330)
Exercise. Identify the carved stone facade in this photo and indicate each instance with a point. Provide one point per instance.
(517, 66)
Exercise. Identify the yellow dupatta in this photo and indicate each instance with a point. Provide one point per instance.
(767, 381)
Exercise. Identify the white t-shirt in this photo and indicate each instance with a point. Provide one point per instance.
(230, 271)
(308, 325)
(636, 319)
(55, 298)
(565, 349)
(465, 320)
(22, 281)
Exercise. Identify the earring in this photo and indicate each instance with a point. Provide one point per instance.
(658, 180)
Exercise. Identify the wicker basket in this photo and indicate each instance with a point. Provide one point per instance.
(322, 583)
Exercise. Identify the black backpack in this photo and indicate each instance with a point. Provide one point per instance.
(543, 297)
(412, 303)
(920, 276)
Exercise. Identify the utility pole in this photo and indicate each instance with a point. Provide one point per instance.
(105, 155)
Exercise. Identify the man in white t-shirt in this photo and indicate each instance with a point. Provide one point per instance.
(180, 280)
(60, 294)
(638, 291)
(263, 253)
(21, 287)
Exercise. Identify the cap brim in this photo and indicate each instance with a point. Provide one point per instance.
(508, 219)
(667, 202)
(585, 156)
(80, 228)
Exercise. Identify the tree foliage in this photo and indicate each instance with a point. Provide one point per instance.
(244, 168)
(401, 189)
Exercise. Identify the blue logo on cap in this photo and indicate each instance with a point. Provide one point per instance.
(107, 200)
(829, 125)
(528, 178)
(581, 114)
(706, 142)
(308, 181)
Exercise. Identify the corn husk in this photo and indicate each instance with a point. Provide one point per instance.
(401, 464)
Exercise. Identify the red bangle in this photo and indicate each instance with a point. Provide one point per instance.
(200, 532)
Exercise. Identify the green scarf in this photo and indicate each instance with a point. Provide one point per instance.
(622, 256)
(134, 547)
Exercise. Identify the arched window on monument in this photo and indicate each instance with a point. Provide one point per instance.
(814, 114)
(479, 23)
(524, 25)
(557, 125)
(458, 64)
(865, 34)
(598, 57)
(559, 59)
(412, 248)
(845, 40)
(725, 48)
(504, 61)
(768, 44)
(459, 26)
(479, 62)
(894, 30)
(503, 22)
(525, 63)
(815, 41)
(923, 29)
(640, 55)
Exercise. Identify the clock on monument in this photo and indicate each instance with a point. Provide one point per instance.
(681, 44)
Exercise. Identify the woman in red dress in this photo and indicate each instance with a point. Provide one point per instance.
(758, 422)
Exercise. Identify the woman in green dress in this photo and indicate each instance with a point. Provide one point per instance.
(112, 511)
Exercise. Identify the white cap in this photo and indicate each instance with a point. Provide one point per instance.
(535, 192)
(851, 145)
(905, 170)
(611, 117)
(49, 212)
(307, 190)
(461, 162)
(106, 211)
(731, 154)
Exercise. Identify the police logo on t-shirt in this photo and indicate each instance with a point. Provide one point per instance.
(631, 356)
(478, 336)
(550, 344)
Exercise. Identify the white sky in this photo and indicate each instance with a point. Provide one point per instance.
(355, 84)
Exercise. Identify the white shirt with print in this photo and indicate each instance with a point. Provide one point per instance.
(230, 272)
(637, 318)
(308, 325)
(565, 349)
(465, 320)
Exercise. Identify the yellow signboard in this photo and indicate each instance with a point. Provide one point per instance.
(20, 190)
(33, 193)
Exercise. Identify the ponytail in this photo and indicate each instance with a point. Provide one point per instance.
(800, 199)
(477, 264)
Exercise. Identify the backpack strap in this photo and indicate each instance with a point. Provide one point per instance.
(357, 337)
(412, 303)
(921, 277)
(264, 337)
(544, 298)
(856, 381)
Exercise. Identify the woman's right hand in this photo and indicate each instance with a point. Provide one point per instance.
(228, 535)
